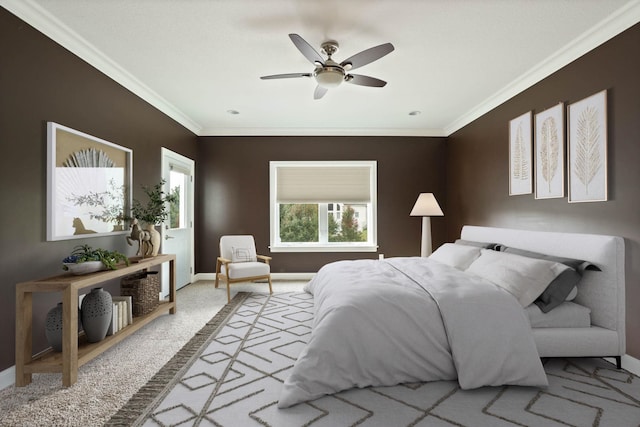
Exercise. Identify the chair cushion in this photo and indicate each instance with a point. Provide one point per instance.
(243, 254)
(247, 269)
(227, 243)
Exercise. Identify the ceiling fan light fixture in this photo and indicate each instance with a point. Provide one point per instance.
(329, 77)
(328, 73)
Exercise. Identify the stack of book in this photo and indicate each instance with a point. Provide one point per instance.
(122, 313)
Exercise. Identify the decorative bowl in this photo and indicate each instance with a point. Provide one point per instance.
(84, 267)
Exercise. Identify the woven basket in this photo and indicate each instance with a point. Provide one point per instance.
(143, 288)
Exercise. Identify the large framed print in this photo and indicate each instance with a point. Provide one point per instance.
(520, 134)
(549, 153)
(587, 152)
(88, 185)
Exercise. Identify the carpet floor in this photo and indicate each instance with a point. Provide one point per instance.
(214, 364)
(107, 382)
(231, 372)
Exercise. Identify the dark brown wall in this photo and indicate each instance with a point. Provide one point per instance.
(233, 191)
(477, 163)
(39, 82)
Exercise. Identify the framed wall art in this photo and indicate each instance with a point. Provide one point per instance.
(549, 153)
(88, 185)
(520, 134)
(587, 149)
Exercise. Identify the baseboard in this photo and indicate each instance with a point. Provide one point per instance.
(274, 276)
(631, 364)
(7, 377)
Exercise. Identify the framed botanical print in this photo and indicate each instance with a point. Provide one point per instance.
(549, 153)
(520, 135)
(88, 185)
(587, 149)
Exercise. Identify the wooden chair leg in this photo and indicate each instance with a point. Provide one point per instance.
(217, 272)
(270, 288)
(228, 291)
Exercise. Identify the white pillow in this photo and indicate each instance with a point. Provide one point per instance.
(525, 278)
(243, 254)
(458, 256)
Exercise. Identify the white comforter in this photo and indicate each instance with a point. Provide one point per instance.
(382, 323)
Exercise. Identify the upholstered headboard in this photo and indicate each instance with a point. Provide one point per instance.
(602, 291)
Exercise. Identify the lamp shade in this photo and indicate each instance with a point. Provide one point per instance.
(426, 205)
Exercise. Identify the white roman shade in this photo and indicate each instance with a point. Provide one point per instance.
(324, 182)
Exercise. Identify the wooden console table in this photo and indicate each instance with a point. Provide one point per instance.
(74, 354)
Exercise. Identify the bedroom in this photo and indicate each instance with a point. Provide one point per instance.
(466, 169)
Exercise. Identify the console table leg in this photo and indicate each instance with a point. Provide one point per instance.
(172, 284)
(69, 336)
(24, 309)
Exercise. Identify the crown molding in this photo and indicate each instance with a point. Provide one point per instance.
(623, 19)
(322, 132)
(34, 15)
(40, 19)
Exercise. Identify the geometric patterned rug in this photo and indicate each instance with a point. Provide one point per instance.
(231, 372)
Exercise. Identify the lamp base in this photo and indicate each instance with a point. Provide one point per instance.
(425, 247)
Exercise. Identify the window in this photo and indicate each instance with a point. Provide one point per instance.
(178, 182)
(323, 206)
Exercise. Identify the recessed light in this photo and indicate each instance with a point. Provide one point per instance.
(234, 112)
(414, 113)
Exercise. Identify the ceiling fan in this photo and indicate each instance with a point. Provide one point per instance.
(328, 73)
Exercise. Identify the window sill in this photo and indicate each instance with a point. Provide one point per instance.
(318, 248)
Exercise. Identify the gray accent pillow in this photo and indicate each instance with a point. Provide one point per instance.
(483, 245)
(558, 290)
(576, 264)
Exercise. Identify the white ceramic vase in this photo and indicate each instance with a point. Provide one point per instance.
(155, 239)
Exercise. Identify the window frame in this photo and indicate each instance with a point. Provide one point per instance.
(274, 213)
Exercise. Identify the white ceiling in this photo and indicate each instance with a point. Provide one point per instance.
(454, 60)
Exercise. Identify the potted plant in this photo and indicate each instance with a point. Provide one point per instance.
(154, 212)
(84, 259)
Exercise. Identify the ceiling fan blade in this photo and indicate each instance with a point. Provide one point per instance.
(367, 56)
(361, 80)
(305, 48)
(286, 76)
(319, 92)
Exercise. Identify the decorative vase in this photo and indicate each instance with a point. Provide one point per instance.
(84, 267)
(53, 326)
(154, 239)
(97, 307)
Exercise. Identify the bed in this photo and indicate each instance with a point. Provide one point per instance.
(603, 292)
(478, 310)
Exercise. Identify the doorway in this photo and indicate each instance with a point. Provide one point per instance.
(177, 232)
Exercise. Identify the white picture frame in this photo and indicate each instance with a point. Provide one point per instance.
(550, 153)
(587, 149)
(88, 185)
(520, 158)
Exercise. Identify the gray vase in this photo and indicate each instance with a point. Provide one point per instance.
(53, 327)
(97, 308)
